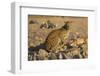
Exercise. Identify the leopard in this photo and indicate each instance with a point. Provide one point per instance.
(56, 39)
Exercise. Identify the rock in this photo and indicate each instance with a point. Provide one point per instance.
(36, 42)
(74, 44)
(75, 53)
(64, 56)
(42, 54)
(52, 56)
(44, 25)
(72, 36)
(68, 55)
(78, 34)
(31, 44)
(60, 56)
(85, 54)
(85, 50)
(80, 41)
(30, 57)
(77, 42)
(76, 57)
(35, 56)
(48, 25)
(33, 22)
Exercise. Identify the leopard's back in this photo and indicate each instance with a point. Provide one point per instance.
(55, 39)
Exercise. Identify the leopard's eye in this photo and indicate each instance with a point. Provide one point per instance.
(65, 35)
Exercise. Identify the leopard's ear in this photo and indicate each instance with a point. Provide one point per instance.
(66, 25)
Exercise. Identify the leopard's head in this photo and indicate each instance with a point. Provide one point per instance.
(67, 25)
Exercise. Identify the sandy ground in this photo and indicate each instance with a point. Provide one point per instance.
(36, 35)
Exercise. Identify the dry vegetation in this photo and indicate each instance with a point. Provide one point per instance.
(39, 28)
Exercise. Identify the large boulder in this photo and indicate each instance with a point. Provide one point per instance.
(42, 54)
